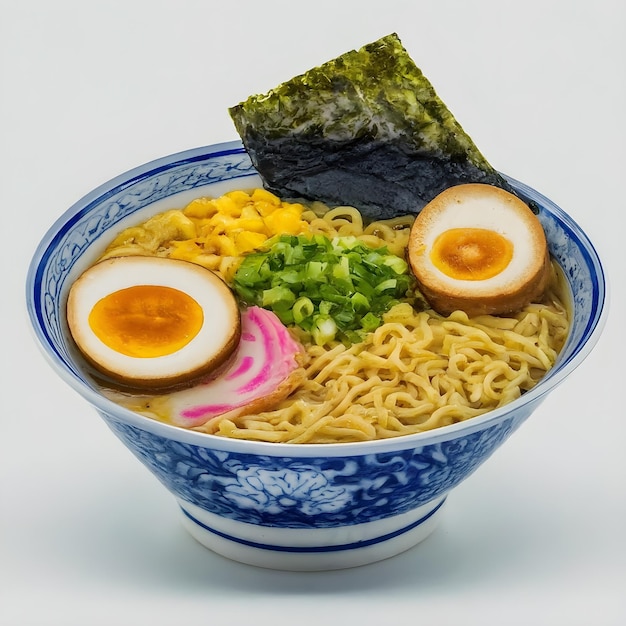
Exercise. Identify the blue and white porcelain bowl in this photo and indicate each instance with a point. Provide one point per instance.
(289, 506)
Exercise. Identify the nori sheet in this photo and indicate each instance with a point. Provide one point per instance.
(366, 129)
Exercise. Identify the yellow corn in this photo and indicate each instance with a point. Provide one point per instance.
(215, 232)
(220, 222)
(287, 220)
(256, 225)
(226, 246)
(247, 241)
(200, 208)
(262, 195)
(227, 206)
(240, 198)
(186, 250)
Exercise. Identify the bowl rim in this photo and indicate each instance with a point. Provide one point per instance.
(110, 410)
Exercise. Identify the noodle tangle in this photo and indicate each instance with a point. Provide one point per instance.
(415, 372)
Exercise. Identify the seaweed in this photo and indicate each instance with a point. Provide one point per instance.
(366, 129)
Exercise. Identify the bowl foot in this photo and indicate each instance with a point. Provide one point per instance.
(296, 549)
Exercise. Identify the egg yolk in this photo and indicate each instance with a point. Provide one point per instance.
(146, 321)
(471, 253)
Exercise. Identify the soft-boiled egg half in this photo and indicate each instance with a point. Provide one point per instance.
(480, 249)
(153, 323)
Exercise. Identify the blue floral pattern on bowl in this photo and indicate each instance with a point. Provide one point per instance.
(293, 492)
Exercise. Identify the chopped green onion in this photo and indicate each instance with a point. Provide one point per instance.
(302, 308)
(324, 330)
(396, 263)
(360, 302)
(325, 307)
(386, 285)
(315, 270)
(277, 298)
(370, 322)
(335, 289)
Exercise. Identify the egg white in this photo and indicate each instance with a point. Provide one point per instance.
(220, 314)
(480, 206)
(478, 213)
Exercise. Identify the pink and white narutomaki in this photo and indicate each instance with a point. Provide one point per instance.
(257, 376)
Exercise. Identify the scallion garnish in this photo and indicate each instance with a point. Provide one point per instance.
(332, 288)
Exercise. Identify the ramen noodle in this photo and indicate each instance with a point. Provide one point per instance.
(417, 371)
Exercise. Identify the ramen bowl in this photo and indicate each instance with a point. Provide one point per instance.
(289, 506)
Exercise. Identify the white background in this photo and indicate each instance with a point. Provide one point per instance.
(90, 89)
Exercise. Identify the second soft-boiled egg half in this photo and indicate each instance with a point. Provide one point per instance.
(153, 323)
(480, 249)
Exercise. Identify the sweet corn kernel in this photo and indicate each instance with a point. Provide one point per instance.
(250, 211)
(220, 222)
(200, 208)
(246, 241)
(256, 225)
(264, 208)
(185, 250)
(262, 195)
(226, 246)
(240, 198)
(285, 220)
(227, 206)
(215, 232)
